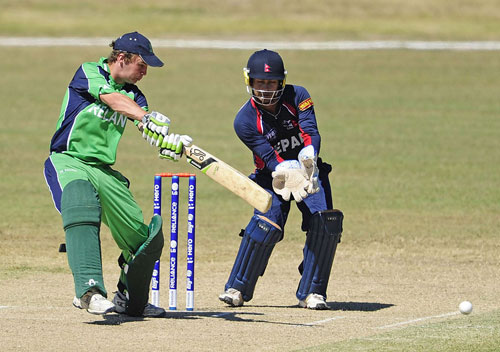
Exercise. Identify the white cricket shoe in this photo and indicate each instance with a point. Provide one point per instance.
(150, 311)
(232, 296)
(314, 301)
(94, 303)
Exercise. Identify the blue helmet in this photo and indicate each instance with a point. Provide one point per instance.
(268, 65)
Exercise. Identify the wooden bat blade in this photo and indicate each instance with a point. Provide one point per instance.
(229, 177)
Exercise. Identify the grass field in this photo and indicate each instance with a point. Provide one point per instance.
(414, 138)
(258, 19)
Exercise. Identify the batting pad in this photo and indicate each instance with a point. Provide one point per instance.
(319, 251)
(81, 215)
(256, 247)
(139, 270)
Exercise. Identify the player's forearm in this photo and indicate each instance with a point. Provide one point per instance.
(123, 105)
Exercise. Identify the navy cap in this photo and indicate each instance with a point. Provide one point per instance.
(136, 43)
(266, 64)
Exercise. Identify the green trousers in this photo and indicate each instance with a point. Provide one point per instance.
(120, 212)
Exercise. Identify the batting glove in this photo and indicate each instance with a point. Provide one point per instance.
(172, 147)
(155, 128)
(289, 178)
(307, 159)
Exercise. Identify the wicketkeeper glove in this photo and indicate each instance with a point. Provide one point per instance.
(172, 147)
(290, 177)
(155, 128)
(308, 158)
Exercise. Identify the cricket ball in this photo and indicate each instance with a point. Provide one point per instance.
(465, 307)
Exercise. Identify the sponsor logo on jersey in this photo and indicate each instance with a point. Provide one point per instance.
(306, 104)
(288, 124)
(67, 170)
(271, 136)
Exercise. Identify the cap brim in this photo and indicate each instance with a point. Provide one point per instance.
(269, 76)
(152, 60)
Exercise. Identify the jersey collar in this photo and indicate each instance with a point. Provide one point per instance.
(103, 63)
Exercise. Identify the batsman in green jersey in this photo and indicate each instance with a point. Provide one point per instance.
(99, 101)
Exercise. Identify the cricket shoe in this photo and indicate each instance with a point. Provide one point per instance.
(232, 296)
(94, 303)
(314, 301)
(150, 311)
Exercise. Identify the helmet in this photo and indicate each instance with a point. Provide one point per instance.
(268, 65)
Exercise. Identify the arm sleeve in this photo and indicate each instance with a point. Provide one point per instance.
(89, 79)
(140, 99)
(307, 118)
(246, 128)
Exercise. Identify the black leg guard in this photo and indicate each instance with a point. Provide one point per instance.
(319, 251)
(139, 270)
(256, 247)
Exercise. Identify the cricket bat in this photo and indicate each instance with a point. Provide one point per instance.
(229, 177)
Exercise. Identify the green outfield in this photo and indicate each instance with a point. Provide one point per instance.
(305, 19)
(413, 136)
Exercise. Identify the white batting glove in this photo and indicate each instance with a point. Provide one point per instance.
(290, 179)
(172, 147)
(307, 159)
(155, 128)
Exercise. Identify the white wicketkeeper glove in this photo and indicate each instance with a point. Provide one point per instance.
(172, 147)
(289, 177)
(155, 128)
(308, 158)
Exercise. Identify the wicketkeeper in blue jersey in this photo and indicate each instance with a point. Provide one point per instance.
(278, 125)
(99, 101)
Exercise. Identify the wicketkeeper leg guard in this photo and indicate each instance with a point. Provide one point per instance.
(139, 270)
(319, 251)
(256, 247)
(81, 215)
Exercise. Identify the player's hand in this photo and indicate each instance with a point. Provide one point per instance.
(155, 128)
(172, 147)
(290, 179)
(307, 159)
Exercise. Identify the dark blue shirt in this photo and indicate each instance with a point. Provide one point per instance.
(279, 137)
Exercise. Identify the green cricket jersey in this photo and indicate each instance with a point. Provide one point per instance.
(87, 128)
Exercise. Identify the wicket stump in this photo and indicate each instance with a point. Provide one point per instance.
(190, 256)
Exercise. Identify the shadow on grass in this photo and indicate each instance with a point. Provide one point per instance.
(114, 319)
(359, 306)
(240, 316)
(343, 306)
(118, 319)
